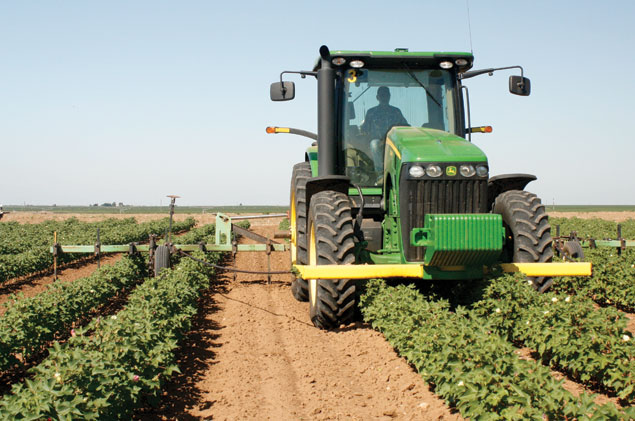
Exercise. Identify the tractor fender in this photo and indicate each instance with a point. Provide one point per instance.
(505, 182)
(338, 183)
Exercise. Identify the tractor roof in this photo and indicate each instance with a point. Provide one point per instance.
(401, 55)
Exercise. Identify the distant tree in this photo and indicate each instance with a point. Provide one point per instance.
(106, 204)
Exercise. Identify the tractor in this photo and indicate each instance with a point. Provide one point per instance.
(392, 185)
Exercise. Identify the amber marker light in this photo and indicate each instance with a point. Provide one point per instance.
(481, 129)
(273, 129)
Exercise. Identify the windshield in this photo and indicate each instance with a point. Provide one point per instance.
(377, 100)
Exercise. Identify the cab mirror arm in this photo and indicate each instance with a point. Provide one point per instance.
(285, 91)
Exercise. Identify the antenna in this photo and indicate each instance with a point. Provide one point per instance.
(469, 25)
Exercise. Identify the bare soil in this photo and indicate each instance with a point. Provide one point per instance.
(630, 326)
(254, 354)
(36, 217)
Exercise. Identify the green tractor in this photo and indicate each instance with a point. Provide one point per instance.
(393, 186)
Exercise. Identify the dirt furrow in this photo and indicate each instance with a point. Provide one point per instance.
(265, 360)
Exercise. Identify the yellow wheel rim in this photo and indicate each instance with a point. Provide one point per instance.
(292, 227)
(312, 262)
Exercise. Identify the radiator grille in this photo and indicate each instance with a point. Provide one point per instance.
(421, 197)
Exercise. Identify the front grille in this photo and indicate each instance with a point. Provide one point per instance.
(420, 197)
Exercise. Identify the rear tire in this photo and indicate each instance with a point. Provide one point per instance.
(161, 259)
(331, 242)
(301, 173)
(527, 232)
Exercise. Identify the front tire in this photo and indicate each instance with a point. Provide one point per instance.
(301, 173)
(527, 231)
(331, 242)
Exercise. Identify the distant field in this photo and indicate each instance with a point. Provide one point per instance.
(148, 209)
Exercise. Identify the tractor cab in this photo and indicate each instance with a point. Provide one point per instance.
(379, 91)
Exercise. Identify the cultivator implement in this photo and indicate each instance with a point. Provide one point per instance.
(224, 241)
(572, 245)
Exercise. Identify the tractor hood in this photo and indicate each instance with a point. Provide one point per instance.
(419, 144)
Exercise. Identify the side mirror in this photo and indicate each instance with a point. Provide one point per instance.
(282, 91)
(519, 85)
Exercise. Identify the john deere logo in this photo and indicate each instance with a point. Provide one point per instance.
(450, 170)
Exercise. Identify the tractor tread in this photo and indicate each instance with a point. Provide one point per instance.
(335, 302)
(301, 173)
(527, 223)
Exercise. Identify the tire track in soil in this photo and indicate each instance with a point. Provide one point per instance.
(254, 354)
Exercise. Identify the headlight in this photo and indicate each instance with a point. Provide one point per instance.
(446, 64)
(338, 61)
(482, 171)
(434, 171)
(356, 64)
(416, 171)
(467, 170)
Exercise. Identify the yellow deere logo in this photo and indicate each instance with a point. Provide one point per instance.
(450, 170)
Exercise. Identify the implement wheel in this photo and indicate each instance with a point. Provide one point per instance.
(573, 249)
(161, 259)
(297, 218)
(332, 301)
(527, 232)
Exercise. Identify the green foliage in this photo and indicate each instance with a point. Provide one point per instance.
(592, 228)
(613, 280)
(113, 364)
(470, 365)
(24, 248)
(29, 324)
(284, 225)
(567, 331)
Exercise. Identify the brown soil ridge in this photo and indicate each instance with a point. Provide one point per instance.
(254, 355)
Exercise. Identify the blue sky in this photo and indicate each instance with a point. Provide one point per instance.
(129, 101)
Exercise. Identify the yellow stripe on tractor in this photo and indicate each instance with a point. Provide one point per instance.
(417, 271)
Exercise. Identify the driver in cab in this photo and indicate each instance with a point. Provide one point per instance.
(378, 121)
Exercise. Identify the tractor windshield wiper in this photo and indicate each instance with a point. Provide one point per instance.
(363, 92)
(413, 76)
